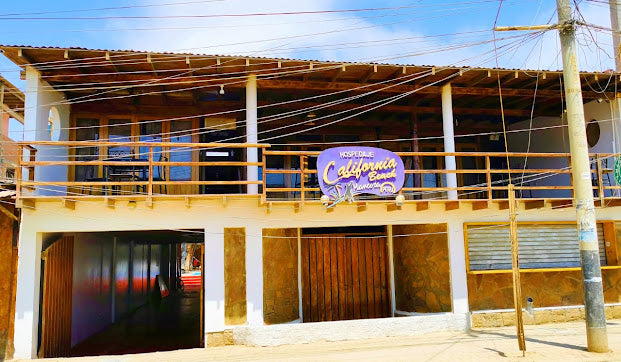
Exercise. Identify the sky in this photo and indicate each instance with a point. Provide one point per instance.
(421, 32)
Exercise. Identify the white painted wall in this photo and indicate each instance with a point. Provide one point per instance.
(40, 98)
(28, 292)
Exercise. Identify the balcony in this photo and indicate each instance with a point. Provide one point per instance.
(290, 176)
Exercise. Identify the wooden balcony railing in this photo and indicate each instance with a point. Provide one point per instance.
(290, 175)
(480, 175)
(135, 171)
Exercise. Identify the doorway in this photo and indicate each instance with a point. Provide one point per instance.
(345, 276)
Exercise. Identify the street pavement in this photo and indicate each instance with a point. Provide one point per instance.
(548, 342)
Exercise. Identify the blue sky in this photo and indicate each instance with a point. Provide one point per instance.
(448, 32)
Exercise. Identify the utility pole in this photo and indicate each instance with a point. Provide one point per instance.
(597, 338)
(615, 21)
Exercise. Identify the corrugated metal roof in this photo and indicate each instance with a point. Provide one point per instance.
(131, 51)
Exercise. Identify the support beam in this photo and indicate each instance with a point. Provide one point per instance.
(214, 280)
(28, 293)
(449, 139)
(252, 154)
(459, 283)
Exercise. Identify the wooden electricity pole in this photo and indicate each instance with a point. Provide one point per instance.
(597, 338)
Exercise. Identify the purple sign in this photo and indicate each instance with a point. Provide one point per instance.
(347, 171)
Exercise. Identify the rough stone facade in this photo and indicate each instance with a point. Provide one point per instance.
(421, 263)
(280, 276)
(548, 289)
(234, 276)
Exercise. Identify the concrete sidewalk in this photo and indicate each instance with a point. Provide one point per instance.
(550, 342)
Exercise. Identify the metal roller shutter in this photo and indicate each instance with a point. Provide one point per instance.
(540, 246)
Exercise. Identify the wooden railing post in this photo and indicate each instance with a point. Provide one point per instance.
(18, 171)
(150, 171)
(571, 176)
(263, 179)
(302, 176)
(488, 177)
(600, 178)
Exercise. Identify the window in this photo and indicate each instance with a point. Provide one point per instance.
(540, 246)
(119, 130)
(180, 132)
(87, 129)
(151, 131)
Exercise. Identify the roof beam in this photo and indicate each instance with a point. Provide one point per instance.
(12, 113)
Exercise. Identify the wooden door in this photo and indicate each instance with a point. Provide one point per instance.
(57, 292)
(344, 277)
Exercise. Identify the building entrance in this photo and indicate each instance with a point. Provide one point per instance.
(345, 276)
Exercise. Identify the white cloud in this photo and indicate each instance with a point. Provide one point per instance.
(325, 36)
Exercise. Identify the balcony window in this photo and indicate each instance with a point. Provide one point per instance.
(180, 132)
(119, 130)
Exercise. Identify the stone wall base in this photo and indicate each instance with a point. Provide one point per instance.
(541, 316)
(219, 339)
(280, 334)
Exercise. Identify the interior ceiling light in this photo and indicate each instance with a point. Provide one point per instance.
(311, 118)
(221, 89)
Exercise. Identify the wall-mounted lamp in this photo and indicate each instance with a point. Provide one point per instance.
(399, 200)
(221, 89)
(325, 200)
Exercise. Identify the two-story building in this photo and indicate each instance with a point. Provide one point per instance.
(133, 153)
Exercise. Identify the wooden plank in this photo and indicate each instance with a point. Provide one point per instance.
(355, 273)
(349, 285)
(480, 205)
(422, 205)
(377, 287)
(385, 301)
(321, 305)
(334, 275)
(451, 205)
(305, 268)
(312, 249)
(327, 279)
(342, 285)
(368, 255)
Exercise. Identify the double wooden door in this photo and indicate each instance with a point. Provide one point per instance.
(344, 277)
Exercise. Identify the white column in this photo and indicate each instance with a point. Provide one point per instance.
(251, 132)
(214, 279)
(457, 262)
(254, 276)
(40, 98)
(27, 298)
(449, 139)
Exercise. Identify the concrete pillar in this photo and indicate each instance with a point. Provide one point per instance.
(457, 262)
(39, 101)
(27, 298)
(254, 276)
(449, 139)
(252, 155)
(214, 279)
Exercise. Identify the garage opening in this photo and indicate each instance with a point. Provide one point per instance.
(120, 292)
(345, 273)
